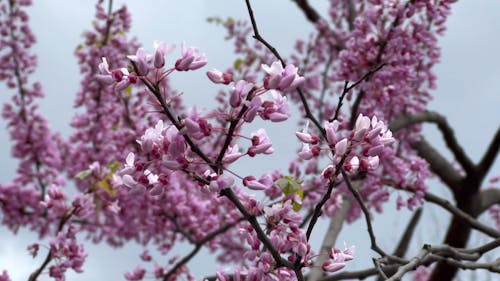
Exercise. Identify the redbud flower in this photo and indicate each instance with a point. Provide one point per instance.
(370, 163)
(306, 137)
(276, 109)
(352, 165)
(141, 59)
(253, 184)
(219, 77)
(105, 76)
(232, 154)
(332, 266)
(33, 249)
(190, 60)
(161, 50)
(341, 147)
(331, 129)
(306, 152)
(129, 166)
(240, 92)
(361, 127)
(279, 78)
(260, 143)
(145, 256)
(135, 275)
(221, 182)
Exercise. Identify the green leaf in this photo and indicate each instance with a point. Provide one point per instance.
(113, 166)
(104, 184)
(238, 63)
(128, 90)
(291, 186)
(83, 174)
(296, 206)
(288, 185)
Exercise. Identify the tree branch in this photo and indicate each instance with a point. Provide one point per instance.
(489, 157)
(198, 245)
(486, 199)
(361, 274)
(227, 192)
(310, 13)
(461, 214)
(446, 130)
(407, 235)
(438, 164)
(366, 213)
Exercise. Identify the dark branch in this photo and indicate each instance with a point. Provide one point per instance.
(438, 164)
(486, 199)
(227, 192)
(462, 215)
(310, 13)
(360, 274)
(260, 38)
(198, 245)
(448, 135)
(489, 157)
(366, 213)
(407, 235)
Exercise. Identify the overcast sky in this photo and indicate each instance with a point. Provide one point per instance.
(468, 95)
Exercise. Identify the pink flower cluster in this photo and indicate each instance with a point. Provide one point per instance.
(67, 253)
(168, 176)
(357, 150)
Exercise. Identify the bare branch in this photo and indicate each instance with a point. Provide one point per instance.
(462, 215)
(310, 13)
(438, 164)
(361, 274)
(366, 213)
(414, 263)
(489, 157)
(407, 235)
(260, 38)
(405, 239)
(198, 245)
(486, 199)
(446, 130)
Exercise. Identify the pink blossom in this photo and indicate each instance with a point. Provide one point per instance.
(276, 109)
(5, 276)
(253, 183)
(219, 77)
(332, 266)
(161, 50)
(260, 143)
(305, 136)
(135, 275)
(142, 61)
(279, 78)
(232, 154)
(190, 59)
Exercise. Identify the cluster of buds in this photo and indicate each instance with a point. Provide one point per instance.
(150, 66)
(360, 147)
(337, 259)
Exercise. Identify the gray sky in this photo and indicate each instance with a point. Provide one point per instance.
(468, 95)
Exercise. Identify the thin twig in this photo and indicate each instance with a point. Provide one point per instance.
(366, 213)
(198, 245)
(227, 192)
